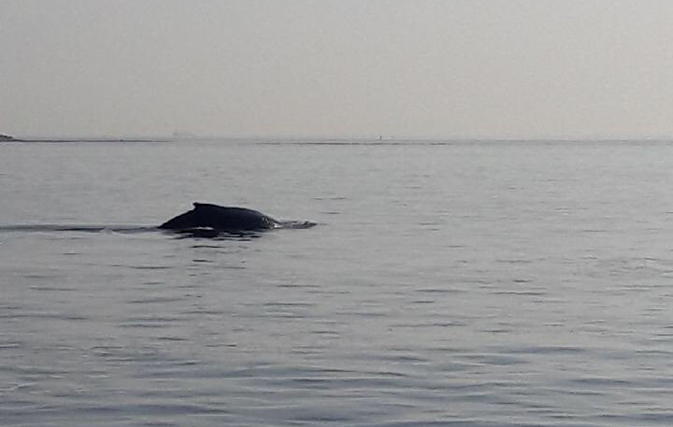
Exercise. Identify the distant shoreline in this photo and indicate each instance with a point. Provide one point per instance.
(61, 140)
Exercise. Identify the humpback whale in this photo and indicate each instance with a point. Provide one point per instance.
(228, 219)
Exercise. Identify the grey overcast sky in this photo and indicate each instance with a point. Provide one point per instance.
(403, 68)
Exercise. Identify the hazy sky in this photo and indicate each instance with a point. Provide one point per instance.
(491, 68)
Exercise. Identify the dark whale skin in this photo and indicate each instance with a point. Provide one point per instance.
(221, 218)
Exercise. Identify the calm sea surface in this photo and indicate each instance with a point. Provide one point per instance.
(446, 284)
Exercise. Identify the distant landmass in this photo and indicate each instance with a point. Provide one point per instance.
(9, 138)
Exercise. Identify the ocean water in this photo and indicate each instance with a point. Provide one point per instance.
(446, 284)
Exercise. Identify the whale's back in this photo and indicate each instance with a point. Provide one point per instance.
(206, 215)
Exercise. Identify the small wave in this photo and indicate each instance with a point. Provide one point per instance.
(46, 228)
(297, 225)
(42, 315)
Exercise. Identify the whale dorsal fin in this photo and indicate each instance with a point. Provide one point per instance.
(199, 205)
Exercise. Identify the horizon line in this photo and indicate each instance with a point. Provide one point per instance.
(383, 138)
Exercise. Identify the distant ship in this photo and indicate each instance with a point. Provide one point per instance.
(6, 138)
